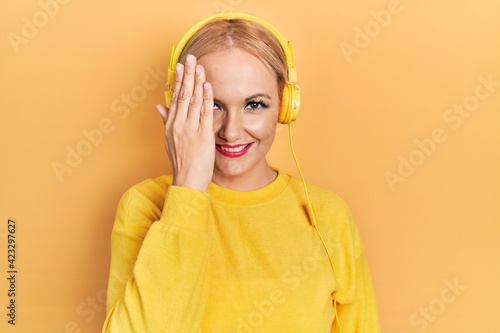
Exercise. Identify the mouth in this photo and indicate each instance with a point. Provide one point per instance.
(233, 151)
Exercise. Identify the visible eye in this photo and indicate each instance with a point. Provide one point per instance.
(218, 111)
(217, 107)
(256, 105)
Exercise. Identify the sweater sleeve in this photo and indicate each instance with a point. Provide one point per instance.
(361, 315)
(159, 261)
(356, 304)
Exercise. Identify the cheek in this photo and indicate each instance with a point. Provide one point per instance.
(218, 120)
(263, 129)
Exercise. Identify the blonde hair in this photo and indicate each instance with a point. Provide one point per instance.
(249, 36)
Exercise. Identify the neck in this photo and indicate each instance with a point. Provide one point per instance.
(258, 178)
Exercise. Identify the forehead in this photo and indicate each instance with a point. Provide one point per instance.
(235, 73)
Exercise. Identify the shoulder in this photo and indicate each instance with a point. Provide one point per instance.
(324, 200)
(335, 218)
(150, 189)
(334, 211)
(143, 202)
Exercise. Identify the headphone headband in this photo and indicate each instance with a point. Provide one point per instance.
(290, 103)
(285, 45)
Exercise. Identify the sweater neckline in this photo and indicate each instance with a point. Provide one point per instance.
(253, 197)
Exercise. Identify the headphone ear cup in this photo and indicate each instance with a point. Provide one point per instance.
(168, 98)
(295, 102)
(170, 86)
(290, 104)
(283, 115)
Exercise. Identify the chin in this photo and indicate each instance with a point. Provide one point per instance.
(229, 169)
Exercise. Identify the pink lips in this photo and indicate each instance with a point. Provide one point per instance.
(236, 150)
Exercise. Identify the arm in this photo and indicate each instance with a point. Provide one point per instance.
(165, 263)
(159, 269)
(356, 304)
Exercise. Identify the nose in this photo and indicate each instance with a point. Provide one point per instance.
(231, 126)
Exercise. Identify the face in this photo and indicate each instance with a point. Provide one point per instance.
(246, 106)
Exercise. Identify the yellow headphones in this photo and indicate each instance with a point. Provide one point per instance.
(290, 101)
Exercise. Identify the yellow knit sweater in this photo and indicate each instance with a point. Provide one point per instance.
(231, 261)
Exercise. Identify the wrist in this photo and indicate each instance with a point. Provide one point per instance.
(190, 182)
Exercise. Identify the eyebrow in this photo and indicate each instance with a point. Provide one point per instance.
(248, 99)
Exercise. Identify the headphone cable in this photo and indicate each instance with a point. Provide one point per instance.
(312, 218)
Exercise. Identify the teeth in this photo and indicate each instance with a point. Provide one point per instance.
(233, 150)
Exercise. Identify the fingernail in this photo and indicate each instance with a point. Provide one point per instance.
(189, 59)
(198, 69)
(178, 68)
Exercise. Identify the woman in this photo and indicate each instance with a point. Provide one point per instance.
(224, 244)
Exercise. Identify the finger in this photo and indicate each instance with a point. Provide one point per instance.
(186, 89)
(178, 76)
(207, 110)
(163, 111)
(196, 101)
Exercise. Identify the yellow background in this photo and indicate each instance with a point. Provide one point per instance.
(362, 113)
